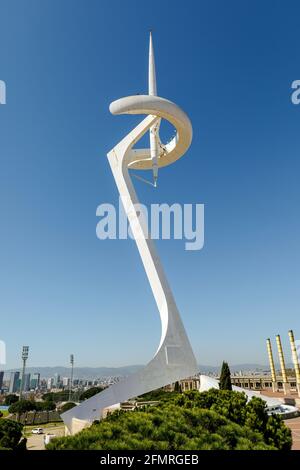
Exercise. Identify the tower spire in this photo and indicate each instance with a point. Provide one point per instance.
(152, 74)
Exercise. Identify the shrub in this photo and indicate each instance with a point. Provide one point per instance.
(212, 420)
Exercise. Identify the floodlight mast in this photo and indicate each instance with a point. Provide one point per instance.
(25, 351)
(71, 381)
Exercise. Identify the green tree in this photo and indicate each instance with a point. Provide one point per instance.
(227, 403)
(167, 428)
(225, 377)
(48, 396)
(256, 417)
(10, 399)
(234, 406)
(67, 406)
(90, 393)
(63, 395)
(278, 434)
(212, 420)
(22, 406)
(157, 395)
(10, 434)
(46, 406)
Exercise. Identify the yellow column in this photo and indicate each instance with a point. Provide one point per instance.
(272, 367)
(295, 360)
(286, 387)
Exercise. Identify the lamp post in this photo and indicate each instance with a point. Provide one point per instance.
(71, 381)
(25, 352)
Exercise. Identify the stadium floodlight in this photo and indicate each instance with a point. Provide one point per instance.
(71, 381)
(25, 353)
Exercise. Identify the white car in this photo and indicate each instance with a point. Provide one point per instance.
(37, 431)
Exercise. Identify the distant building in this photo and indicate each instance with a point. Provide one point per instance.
(190, 383)
(66, 381)
(57, 381)
(1, 379)
(35, 381)
(14, 384)
(43, 384)
(262, 382)
(50, 382)
(26, 385)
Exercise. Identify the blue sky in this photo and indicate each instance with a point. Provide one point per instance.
(230, 66)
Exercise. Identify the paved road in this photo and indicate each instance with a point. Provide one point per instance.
(294, 425)
(36, 441)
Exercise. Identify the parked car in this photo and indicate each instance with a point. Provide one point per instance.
(37, 431)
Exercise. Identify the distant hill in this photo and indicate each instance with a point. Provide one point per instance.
(90, 373)
(87, 373)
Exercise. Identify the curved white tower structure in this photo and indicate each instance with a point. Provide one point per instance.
(174, 359)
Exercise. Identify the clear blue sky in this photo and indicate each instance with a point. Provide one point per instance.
(230, 66)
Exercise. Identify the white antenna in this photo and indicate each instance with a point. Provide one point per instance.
(152, 90)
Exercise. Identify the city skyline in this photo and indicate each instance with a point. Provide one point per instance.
(243, 286)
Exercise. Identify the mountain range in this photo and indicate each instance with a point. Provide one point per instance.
(90, 373)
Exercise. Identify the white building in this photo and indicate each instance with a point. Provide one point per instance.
(66, 382)
(50, 383)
